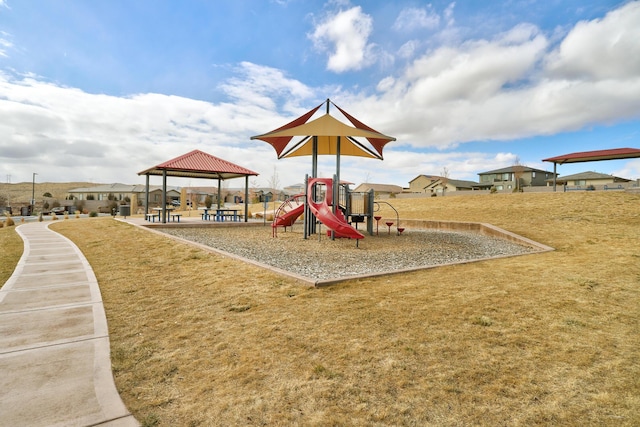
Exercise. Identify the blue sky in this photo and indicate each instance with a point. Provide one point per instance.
(100, 90)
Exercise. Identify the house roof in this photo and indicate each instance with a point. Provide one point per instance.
(458, 183)
(591, 156)
(381, 188)
(431, 177)
(590, 175)
(198, 164)
(511, 169)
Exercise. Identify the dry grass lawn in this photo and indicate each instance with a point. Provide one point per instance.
(545, 339)
(11, 248)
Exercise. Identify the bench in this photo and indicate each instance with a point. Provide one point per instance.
(175, 216)
(152, 217)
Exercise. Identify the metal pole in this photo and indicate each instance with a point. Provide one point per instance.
(246, 198)
(33, 193)
(554, 176)
(164, 196)
(146, 198)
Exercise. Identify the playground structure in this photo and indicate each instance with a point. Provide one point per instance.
(336, 207)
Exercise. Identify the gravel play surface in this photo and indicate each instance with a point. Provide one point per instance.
(320, 258)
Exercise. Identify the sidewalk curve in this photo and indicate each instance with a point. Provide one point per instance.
(54, 343)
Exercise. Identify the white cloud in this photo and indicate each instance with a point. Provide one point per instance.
(66, 134)
(345, 36)
(513, 86)
(5, 43)
(607, 48)
(408, 49)
(416, 18)
(509, 87)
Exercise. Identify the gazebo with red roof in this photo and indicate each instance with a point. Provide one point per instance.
(592, 156)
(197, 164)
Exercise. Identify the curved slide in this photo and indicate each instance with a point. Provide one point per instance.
(323, 212)
(288, 218)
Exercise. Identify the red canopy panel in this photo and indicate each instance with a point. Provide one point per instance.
(280, 142)
(592, 156)
(378, 143)
(198, 164)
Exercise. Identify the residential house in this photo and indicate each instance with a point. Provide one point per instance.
(379, 190)
(442, 186)
(590, 179)
(294, 189)
(123, 193)
(420, 182)
(505, 178)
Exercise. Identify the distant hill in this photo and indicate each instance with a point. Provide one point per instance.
(20, 193)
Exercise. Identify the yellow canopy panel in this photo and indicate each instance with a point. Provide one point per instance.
(326, 125)
(328, 145)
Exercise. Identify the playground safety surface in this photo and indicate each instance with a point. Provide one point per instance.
(319, 260)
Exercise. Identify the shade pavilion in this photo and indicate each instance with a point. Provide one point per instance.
(592, 156)
(326, 135)
(197, 164)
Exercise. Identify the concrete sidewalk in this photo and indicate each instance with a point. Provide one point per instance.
(55, 367)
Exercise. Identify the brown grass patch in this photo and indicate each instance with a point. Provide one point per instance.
(549, 339)
(11, 248)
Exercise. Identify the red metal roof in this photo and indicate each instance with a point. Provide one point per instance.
(198, 164)
(591, 156)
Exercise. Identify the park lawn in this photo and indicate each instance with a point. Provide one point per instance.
(543, 339)
(11, 248)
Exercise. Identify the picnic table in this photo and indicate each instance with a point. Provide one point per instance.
(221, 214)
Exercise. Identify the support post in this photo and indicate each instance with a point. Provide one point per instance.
(146, 197)
(164, 196)
(246, 198)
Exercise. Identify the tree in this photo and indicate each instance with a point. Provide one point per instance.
(518, 172)
(444, 178)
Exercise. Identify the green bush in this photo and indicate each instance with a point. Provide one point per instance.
(93, 214)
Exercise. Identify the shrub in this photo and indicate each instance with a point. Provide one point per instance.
(493, 190)
(9, 222)
(93, 214)
(54, 217)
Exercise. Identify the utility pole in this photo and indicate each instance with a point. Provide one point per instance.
(33, 193)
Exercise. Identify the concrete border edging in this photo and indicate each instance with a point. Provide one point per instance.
(477, 227)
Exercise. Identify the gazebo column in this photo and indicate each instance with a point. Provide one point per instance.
(554, 176)
(146, 197)
(246, 198)
(164, 196)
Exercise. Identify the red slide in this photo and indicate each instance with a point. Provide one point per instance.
(323, 212)
(288, 218)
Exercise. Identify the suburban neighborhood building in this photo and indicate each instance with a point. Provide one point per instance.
(379, 190)
(420, 183)
(590, 178)
(506, 178)
(443, 186)
(122, 193)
